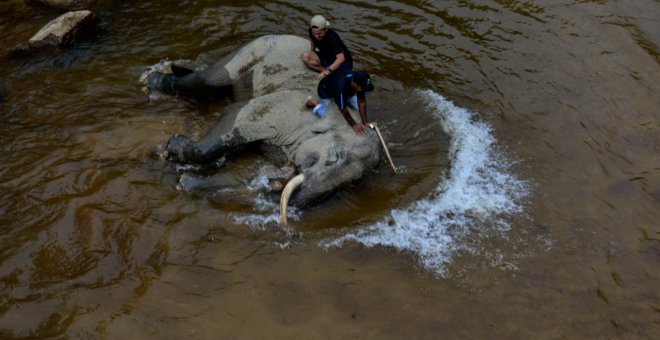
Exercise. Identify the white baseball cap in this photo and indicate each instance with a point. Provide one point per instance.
(318, 21)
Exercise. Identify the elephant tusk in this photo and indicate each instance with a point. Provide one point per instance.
(286, 194)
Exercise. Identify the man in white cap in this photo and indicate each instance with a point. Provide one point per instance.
(328, 52)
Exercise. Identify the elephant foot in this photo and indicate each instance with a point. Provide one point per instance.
(180, 71)
(178, 149)
(161, 82)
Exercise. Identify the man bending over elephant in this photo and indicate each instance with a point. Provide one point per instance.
(332, 54)
(347, 88)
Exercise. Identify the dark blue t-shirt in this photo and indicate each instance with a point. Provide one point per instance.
(337, 85)
(329, 47)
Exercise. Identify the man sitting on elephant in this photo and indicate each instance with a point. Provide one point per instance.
(332, 54)
(348, 88)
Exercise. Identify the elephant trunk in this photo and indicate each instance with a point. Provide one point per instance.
(286, 194)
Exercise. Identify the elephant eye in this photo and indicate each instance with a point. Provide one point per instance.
(331, 158)
(310, 159)
(334, 156)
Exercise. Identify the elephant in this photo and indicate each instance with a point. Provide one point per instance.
(270, 85)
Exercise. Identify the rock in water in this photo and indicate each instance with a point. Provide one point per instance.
(63, 30)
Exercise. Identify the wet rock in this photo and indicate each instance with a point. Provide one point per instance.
(59, 32)
(73, 5)
(64, 30)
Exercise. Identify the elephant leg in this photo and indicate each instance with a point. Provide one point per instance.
(180, 71)
(223, 137)
(189, 84)
(205, 151)
(212, 83)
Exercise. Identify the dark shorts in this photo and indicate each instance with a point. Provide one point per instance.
(331, 86)
(325, 63)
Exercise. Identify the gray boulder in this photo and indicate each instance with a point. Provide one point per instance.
(63, 30)
(59, 32)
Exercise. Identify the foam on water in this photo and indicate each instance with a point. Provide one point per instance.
(260, 182)
(479, 192)
(266, 210)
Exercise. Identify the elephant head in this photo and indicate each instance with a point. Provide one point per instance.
(331, 161)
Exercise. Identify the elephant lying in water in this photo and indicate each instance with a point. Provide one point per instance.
(326, 152)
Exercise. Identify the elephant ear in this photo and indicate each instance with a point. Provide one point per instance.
(180, 71)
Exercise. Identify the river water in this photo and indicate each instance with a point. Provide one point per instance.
(527, 206)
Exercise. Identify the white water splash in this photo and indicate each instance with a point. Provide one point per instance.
(260, 182)
(267, 212)
(258, 221)
(478, 192)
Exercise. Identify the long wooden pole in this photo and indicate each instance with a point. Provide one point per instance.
(382, 141)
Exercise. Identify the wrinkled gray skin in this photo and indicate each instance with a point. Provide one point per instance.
(327, 151)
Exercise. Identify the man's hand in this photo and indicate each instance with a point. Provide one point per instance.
(358, 128)
(323, 74)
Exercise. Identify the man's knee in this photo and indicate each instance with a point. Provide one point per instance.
(309, 58)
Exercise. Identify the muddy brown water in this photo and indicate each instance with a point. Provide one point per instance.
(95, 242)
